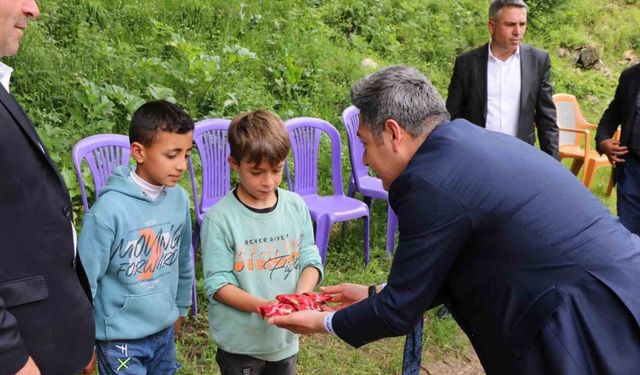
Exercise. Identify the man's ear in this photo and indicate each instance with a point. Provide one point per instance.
(491, 25)
(395, 131)
(137, 151)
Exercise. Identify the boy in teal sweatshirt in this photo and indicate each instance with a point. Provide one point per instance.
(257, 242)
(135, 247)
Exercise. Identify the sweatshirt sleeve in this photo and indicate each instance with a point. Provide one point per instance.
(218, 258)
(94, 248)
(309, 254)
(185, 268)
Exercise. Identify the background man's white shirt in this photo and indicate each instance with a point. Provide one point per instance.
(503, 93)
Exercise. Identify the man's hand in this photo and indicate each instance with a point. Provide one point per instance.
(345, 294)
(176, 326)
(303, 322)
(613, 150)
(91, 366)
(29, 368)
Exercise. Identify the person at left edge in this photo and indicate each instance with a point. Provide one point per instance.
(46, 324)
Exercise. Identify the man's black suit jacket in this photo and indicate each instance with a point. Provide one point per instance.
(468, 94)
(44, 311)
(621, 111)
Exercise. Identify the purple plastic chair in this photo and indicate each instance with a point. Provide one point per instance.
(210, 137)
(103, 153)
(360, 180)
(305, 134)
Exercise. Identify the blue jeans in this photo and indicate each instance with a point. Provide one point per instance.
(153, 355)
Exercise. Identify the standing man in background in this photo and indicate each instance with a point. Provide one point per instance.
(46, 322)
(624, 110)
(504, 85)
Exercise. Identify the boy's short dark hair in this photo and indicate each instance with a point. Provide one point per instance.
(258, 135)
(155, 116)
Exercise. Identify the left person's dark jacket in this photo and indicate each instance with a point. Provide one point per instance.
(45, 311)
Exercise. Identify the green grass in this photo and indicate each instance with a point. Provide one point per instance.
(85, 65)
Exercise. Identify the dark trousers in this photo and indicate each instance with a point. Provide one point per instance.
(629, 194)
(240, 364)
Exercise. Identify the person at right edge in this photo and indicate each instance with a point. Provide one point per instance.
(624, 110)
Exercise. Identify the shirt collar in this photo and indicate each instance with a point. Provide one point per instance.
(5, 75)
(515, 54)
(147, 188)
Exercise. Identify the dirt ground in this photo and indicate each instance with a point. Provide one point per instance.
(466, 363)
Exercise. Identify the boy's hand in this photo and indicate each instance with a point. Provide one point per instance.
(176, 326)
(91, 366)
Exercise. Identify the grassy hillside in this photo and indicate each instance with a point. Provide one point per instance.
(87, 64)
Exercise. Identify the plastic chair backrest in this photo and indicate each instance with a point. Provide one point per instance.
(210, 137)
(568, 115)
(350, 118)
(102, 152)
(305, 134)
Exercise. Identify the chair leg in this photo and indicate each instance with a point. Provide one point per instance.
(589, 170)
(194, 291)
(611, 182)
(351, 192)
(365, 236)
(576, 165)
(195, 238)
(323, 229)
(392, 225)
(368, 201)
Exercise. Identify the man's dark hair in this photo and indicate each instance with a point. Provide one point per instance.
(497, 5)
(401, 93)
(155, 116)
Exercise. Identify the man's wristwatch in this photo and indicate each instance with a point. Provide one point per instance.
(373, 290)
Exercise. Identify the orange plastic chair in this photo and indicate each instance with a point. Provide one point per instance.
(575, 140)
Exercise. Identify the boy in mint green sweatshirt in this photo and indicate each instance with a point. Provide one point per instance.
(135, 247)
(257, 242)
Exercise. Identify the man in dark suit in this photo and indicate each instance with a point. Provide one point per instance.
(504, 85)
(624, 110)
(532, 266)
(46, 322)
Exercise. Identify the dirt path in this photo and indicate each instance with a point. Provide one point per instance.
(466, 363)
